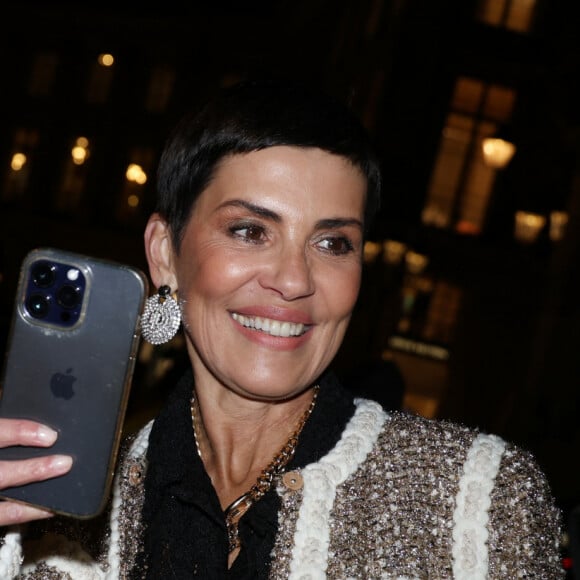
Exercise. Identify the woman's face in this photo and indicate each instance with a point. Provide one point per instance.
(269, 269)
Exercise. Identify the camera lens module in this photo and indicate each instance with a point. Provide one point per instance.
(38, 305)
(68, 296)
(43, 274)
(55, 293)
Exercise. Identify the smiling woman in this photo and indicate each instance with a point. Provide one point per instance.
(269, 239)
(261, 465)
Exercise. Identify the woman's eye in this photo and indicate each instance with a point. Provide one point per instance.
(251, 233)
(336, 245)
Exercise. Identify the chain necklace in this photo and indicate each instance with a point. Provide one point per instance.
(234, 512)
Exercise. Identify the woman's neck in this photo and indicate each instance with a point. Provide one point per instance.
(238, 438)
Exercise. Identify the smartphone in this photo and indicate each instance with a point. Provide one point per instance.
(69, 364)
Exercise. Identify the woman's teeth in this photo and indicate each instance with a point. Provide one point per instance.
(272, 327)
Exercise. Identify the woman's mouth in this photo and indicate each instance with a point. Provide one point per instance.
(269, 326)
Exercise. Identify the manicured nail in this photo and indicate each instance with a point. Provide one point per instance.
(46, 435)
(61, 463)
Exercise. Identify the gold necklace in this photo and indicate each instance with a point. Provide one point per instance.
(234, 512)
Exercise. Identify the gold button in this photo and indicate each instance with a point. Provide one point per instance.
(293, 480)
(135, 474)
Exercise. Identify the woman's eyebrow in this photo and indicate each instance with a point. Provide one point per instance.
(253, 208)
(333, 223)
(327, 223)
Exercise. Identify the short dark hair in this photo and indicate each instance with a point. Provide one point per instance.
(250, 116)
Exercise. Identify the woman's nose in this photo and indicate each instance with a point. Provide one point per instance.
(289, 273)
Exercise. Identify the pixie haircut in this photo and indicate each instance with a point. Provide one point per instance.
(251, 116)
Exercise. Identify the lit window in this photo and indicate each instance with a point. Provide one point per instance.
(520, 15)
(429, 310)
(443, 313)
(516, 15)
(448, 170)
(462, 180)
(467, 95)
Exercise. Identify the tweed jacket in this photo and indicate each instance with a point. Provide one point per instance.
(399, 496)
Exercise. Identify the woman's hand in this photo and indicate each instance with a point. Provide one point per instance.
(27, 433)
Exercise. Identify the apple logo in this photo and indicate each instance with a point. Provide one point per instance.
(61, 384)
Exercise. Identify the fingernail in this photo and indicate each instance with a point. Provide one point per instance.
(61, 463)
(46, 435)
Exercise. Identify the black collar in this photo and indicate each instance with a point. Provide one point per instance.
(185, 524)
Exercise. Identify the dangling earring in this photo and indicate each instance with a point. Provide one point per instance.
(161, 317)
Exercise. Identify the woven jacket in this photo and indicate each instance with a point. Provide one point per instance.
(399, 496)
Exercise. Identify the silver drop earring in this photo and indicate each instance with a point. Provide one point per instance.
(161, 317)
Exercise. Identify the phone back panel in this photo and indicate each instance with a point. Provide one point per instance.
(75, 379)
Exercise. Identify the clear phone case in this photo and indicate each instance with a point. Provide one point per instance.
(69, 364)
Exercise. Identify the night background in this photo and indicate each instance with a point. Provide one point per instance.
(472, 283)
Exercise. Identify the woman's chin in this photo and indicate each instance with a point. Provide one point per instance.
(270, 392)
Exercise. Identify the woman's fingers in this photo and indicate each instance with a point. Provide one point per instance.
(25, 471)
(25, 432)
(22, 432)
(12, 513)
(28, 470)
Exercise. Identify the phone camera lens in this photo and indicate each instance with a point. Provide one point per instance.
(37, 305)
(43, 274)
(68, 296)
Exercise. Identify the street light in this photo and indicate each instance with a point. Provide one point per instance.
(497, 152)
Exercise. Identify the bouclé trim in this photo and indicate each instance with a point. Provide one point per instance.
(470, 557)
(10, 554)
(138, 448)
(312, 537)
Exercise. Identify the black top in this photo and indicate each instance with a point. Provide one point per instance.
(185, 533)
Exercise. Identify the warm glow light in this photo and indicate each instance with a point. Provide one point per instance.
(106, 59)
(80, 152)
(371, 251)
(434, 216)
(79, 155)
(497, 152)
(467, 228)
(136, 174)
(416, 263)
(133, 201)
(528, 226)
(393, 251)
(558, 223)
(18, 161)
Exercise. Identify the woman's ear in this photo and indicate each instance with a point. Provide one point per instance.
(160, 253)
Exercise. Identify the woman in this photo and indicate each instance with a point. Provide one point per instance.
(260, 464)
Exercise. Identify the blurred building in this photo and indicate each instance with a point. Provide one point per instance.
(472, 278)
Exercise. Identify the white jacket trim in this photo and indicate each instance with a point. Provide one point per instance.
(138, 449)
(11, 554)
(312, 536)
(470, 556)
(68, 558)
